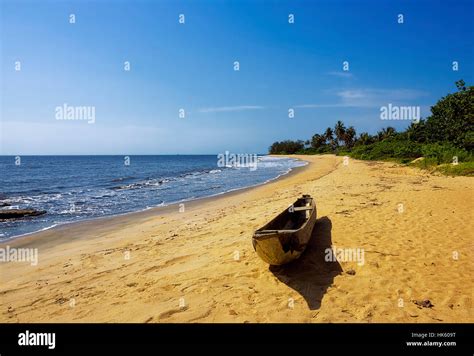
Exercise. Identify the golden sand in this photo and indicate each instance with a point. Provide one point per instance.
(415, 230)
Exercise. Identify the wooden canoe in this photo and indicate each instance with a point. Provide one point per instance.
(285, 237)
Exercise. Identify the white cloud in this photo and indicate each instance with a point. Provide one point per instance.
(231, 108)
(341, 74)
(370, 98)
(318, 106)
(377, 97)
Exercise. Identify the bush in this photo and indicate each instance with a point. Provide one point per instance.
(461, 169)
(389, 148)
(452, 118)
(286, 147)
(445, 153)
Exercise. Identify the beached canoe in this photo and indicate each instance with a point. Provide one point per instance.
(285, 237)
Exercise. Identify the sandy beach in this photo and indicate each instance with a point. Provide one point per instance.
(198, 265)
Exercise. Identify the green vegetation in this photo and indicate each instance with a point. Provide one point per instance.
(287, 147)
(462, 169)
(443, 142)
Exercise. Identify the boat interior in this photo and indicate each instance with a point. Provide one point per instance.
(292, 218)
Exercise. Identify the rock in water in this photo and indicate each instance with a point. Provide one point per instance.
(20, 213)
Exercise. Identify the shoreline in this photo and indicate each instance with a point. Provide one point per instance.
(24, 239)
(200, 265)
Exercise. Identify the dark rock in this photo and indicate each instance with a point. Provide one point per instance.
(4, 204)
(351, 272)
(423, 303)
(20, 213)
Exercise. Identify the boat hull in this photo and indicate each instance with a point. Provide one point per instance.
(283, 246)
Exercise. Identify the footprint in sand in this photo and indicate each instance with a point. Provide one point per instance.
(171, 312)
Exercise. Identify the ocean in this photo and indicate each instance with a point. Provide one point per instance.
(74, 188)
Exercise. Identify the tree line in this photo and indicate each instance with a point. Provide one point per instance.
(451, 121)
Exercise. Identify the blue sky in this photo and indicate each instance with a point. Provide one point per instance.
(191, 66)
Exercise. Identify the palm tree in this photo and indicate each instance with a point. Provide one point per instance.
(349, 137)
(390, 131)
(416, 131)
(340, 131)
(365, 139)
(317, 141)
(386, 133)
(328, 135)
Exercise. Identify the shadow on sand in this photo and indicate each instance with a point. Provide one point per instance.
(310, 275)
